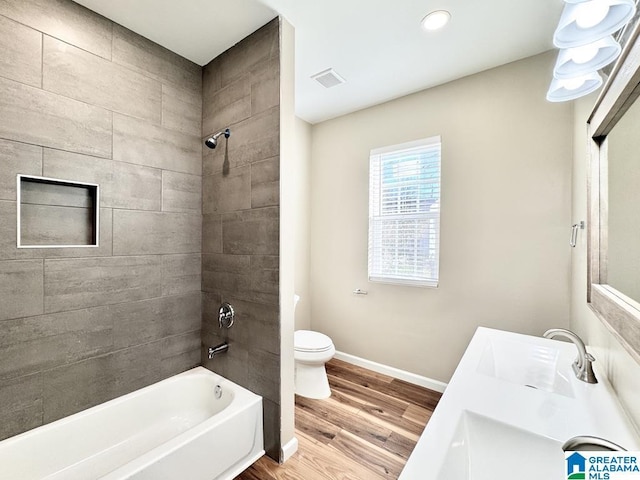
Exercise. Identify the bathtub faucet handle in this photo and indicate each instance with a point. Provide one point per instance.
(226, 315)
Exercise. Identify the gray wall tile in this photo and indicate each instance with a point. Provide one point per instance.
(238, 264)
(155, 233)
(211, 79)
(182, 109)
(241, 183)
(265, 85)
(180, 344)
(104, 249)
(252, 140)
(143, 55)
(154, 300)
(226, 273)
(71, 388)
(257, 138)
(257, 325)
(139, 142)
(52, 120)
(81, 385)
(77, 74)
(271, 426)
(227, 193)
(244, 56)
(181, 362)
(21, 288)
(79, 283)
(137, 323)
(181, 274)
(20, 53)
(265, 183)
(211, 302)
(251, 232)
(134, 187)
(264, 374)
(8, 235)
(265, 274)
(181, 192)
(227, 106)
(212, 233)
(17, 158)
(53, 194)
(147, 371)
(54, 225)
(233, 364)
(65, 20)
(122, 185)
(213, 161)
(21, 400)
(34, 344)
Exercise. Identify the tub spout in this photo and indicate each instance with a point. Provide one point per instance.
(213, 351)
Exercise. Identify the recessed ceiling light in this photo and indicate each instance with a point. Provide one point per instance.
(436, 20)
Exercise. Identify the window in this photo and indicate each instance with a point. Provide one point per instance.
(404, 213)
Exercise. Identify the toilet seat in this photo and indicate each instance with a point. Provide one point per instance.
(308, 341)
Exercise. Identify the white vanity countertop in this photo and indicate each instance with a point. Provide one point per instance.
(490, 407)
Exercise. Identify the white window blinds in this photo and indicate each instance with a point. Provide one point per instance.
(404, 213)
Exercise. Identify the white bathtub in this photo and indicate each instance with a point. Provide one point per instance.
(175, 429)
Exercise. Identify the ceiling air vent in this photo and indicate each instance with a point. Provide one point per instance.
(328, 78)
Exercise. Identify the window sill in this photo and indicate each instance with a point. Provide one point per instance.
(405, 283)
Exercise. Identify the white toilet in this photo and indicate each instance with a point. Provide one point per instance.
(312, 351)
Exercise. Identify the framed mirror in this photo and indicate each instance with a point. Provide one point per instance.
(613, 276)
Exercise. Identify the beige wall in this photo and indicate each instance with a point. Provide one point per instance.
(301, 173)
(621, 369)
(506, 205)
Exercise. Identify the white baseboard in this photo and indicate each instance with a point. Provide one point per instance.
(425, 382)
(288, 449)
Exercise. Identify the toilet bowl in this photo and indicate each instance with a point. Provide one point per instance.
(311, 351)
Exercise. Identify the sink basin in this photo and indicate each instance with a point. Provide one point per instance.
(536, 366)
(490, 426)
(485, 449)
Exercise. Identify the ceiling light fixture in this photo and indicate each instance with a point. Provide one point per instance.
(436, 20)
(584, 36)
(574, 62)
(587, 21)
(570, 89)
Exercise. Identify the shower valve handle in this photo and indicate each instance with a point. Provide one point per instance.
(226, 315)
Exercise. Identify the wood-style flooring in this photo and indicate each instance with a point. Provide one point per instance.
(365, 431)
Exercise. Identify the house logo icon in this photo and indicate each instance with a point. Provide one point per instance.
(576, 465)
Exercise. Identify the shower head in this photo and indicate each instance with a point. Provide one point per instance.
(212, 141)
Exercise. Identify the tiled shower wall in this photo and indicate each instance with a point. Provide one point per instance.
(84, 99)
(240, 242)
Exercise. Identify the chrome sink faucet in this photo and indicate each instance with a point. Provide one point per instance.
(582, 366)
(589, 443)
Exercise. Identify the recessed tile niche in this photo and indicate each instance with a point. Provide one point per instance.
(54, 213)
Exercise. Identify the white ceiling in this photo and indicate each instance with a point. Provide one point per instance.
(378, 46)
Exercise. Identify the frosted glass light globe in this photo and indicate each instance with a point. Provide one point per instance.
(590, 14)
